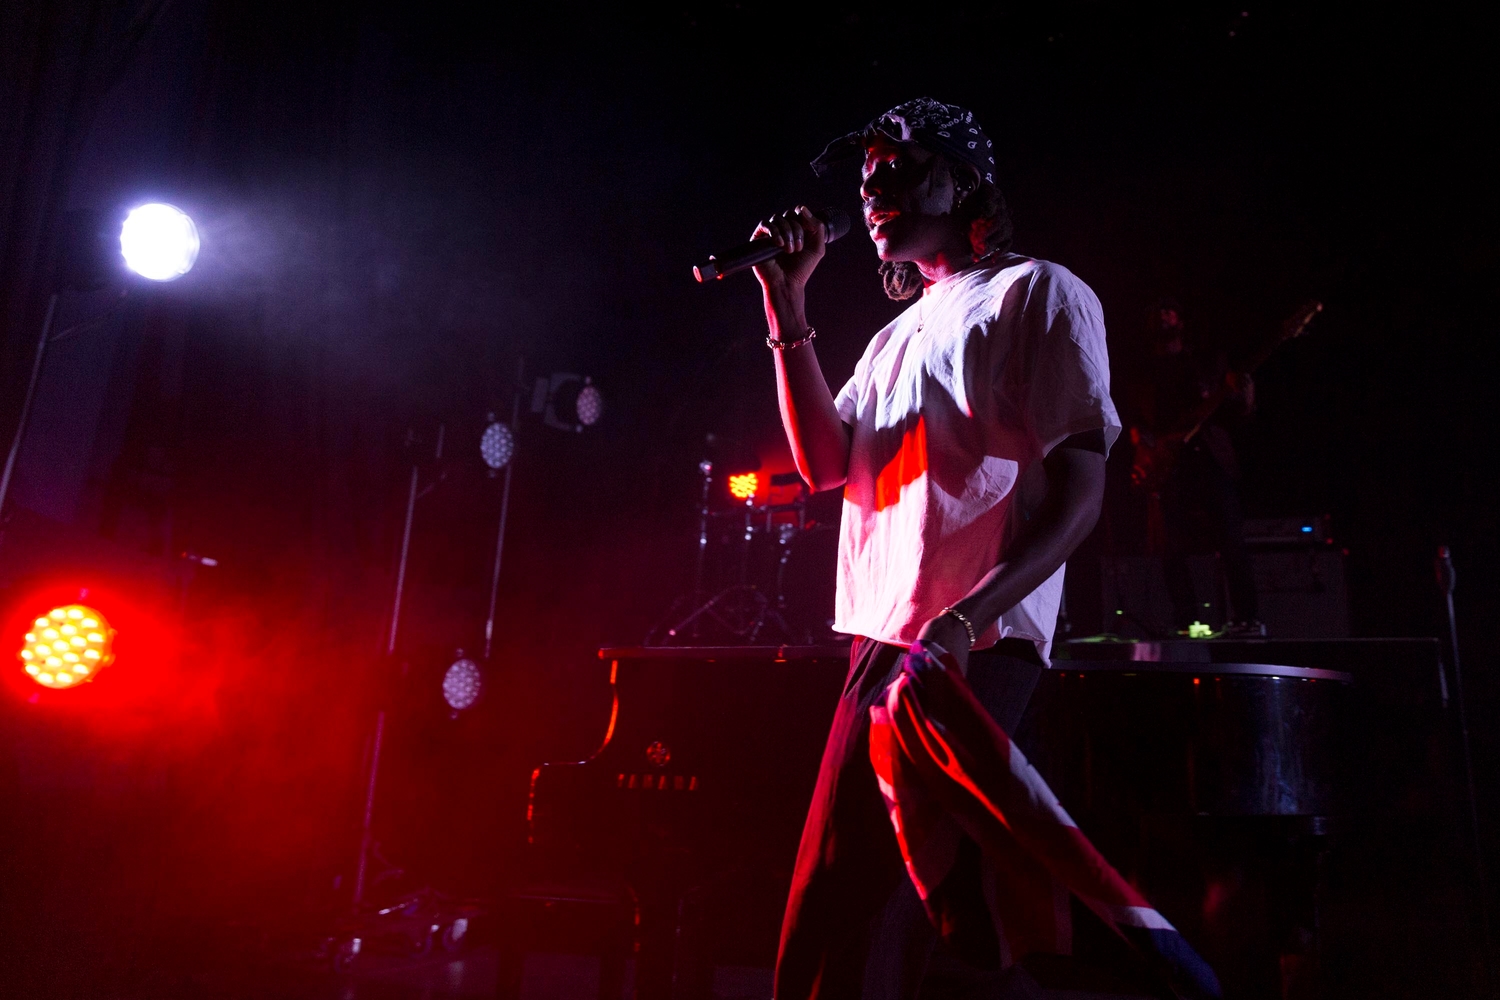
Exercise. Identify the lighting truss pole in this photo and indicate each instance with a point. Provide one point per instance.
(157, 241)
(25, 415)
(510, 466)
(366, 826)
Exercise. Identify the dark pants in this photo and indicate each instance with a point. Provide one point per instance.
(854, 926)
(1201, 507)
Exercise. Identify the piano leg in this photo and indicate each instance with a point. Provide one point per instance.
(694, 975)
(657, 938)
(612, 969)
(672, 962)
(585, 920)
(512, 964)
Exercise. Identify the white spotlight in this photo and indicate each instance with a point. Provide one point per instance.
(590, 404)
(497, 445)
(462, 682)
(159, 242)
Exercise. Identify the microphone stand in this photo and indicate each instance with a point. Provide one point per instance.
(1447, 579)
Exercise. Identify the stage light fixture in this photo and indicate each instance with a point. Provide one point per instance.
(744, 485)
(497, 445)
(462, 683)
(67, 646)
(589, 404)
(567, 401)
(159, 242)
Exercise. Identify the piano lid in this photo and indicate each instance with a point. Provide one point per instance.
(724, 652)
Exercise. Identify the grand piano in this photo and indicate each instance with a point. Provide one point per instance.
(694, 801)
(1190, 765)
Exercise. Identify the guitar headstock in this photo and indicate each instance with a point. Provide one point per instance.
(1297, 323)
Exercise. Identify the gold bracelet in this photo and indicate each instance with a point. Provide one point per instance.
(964, 621)
(782, 345)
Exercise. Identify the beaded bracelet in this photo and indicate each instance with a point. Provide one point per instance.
(782, 345)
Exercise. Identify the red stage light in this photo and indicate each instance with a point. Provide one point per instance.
(743, 487)
(67, 646)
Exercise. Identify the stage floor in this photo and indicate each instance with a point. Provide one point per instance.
(547, 977)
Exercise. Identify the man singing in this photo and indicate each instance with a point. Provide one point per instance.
(970, 443)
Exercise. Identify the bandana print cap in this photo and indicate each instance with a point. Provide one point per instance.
(943, 128)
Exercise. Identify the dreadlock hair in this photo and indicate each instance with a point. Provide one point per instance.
(990, 231)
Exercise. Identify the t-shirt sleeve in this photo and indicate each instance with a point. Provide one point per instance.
(847, 400)
(1068, 388)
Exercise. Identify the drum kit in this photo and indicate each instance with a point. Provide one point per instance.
(763, 571)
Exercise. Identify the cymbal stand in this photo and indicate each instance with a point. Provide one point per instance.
(721, 606)
(784, 536)
(706, 470)
(727, 608)
(745, 540)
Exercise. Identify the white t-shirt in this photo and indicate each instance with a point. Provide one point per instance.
(953, 405)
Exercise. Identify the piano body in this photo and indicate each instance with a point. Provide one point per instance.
(1196, 767)
(696, 795)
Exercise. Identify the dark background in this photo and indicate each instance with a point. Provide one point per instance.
(398, 202)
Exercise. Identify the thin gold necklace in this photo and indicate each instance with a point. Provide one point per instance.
(921, 313)
(922, 305)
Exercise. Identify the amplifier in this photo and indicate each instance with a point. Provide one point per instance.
(1303, 593)
(1302, 590)
(1288, 530)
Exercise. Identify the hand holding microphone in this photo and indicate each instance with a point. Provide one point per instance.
(784, 248)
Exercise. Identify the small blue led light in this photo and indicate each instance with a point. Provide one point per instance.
(1307, 529)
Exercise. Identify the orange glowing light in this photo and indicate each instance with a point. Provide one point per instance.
(904, 467)
(40, 652)
(744, 486)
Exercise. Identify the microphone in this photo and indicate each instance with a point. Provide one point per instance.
(720, 266)
(1443, 568)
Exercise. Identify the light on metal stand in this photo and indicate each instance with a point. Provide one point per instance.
(159, 242)
(67, 646)
(563, 400)
(366, 830)
(462, 684)
(497, 445)
(498, 448)
(568, 402)
(156, 241)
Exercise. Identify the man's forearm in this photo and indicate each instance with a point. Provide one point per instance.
(1075, 494)
(818, 437)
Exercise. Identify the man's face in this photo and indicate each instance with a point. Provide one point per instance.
(909, 198)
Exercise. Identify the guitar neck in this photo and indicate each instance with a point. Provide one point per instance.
(1261, 356)
(1215, 399)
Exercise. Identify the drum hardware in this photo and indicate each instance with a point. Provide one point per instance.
(743, 610)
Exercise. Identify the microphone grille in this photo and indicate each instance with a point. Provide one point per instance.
(837, 221)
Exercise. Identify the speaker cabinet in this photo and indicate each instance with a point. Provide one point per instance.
(1302, 589)
(1303, 592)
